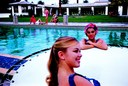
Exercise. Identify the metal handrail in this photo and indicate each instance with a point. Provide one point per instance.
(17, 63)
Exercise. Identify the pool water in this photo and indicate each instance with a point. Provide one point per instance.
(23, 41)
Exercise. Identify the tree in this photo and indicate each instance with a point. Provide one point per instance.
(77, 1)
(64, 1)
(4, 5)
(59, 7)
(85, 1)
(40, 2)
(114, 6)
(119, 2)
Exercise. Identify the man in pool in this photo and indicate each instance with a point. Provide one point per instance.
(91, 31)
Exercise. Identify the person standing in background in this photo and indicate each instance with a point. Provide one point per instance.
(46, 12)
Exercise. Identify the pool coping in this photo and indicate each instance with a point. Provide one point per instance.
(70, 24)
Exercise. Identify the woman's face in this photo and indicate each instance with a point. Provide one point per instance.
(73, 55)
(91, 33)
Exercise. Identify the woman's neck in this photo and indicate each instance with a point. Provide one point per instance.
(63, 74)
(63, 67)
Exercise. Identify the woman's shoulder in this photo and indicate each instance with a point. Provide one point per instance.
(78, 80)
(99, 40)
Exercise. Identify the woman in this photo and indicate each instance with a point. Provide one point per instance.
(46, 12)
(54, 18)
(64, 57)
(33, 19)
(39, 21)
(91, 31)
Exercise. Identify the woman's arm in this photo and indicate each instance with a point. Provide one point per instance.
(99, 44)
(84, 45)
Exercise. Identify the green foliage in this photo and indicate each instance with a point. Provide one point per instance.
(119, 2)
(85, 1)
(95, 18)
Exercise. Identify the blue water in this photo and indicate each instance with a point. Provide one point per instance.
(23, 41)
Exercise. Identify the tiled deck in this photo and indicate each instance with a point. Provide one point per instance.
(7, 61)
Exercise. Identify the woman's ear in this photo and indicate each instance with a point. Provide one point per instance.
(61, 55)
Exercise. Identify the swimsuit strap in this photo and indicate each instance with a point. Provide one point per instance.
(72, 83)
(97, 40)
(71, 79)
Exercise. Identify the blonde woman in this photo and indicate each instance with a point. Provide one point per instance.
(64, 57)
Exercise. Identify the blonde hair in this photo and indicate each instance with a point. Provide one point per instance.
(61, 44)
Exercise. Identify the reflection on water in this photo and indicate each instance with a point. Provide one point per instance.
(118, 38)
(24, 41)
(15, 41)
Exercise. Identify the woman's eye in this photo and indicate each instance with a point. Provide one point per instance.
(77, 50)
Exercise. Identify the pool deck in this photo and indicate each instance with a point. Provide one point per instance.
(109, 67)
(76, 24)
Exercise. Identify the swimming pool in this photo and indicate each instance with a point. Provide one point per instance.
(26, 40)
(23, 41)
